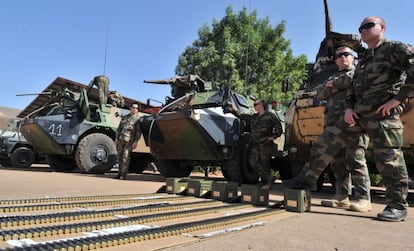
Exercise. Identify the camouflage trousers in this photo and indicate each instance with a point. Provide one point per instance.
(259, 159)
(386, 136)
(345, 150)
(342, 174)
(124, 152)
(103, 90)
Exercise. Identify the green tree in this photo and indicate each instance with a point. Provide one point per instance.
(247, 54)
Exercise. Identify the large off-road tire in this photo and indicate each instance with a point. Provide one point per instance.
(172, 168)
(249, 174)
(238, 168)
(60, 163)
(22, 157)
(95, 153)
(231, 169)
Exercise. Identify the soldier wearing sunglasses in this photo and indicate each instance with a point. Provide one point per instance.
(373, 105)
(337, 146)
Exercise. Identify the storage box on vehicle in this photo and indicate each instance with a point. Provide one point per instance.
(176, 185)
(224, 190)
(254, 195)
(297, 200)
(199, 187)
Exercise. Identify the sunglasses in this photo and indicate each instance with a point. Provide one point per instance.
(366, 26)
(346, 54)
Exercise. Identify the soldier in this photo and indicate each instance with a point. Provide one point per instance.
(102, 82)
(115, 99)
(265, 127)
(374, 106)
(127, 137)
(345, 150)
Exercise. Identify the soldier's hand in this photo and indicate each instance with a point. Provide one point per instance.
(386, 108)
(350, 117)
(329, 83)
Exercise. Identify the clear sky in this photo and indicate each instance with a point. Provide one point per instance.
(43, 39)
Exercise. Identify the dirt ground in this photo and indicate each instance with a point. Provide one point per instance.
(321, 229)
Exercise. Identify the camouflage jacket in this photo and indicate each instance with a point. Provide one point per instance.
(263, 127)
(129, 129)
(336, 99)
(377, 75)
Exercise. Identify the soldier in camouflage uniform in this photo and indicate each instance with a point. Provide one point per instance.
(334, 91)
(127, 136)
(115, 99)
(374, 105)
(345, 150)
(264, 127)
(102, 82)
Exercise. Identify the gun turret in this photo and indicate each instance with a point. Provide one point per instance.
(183, 84)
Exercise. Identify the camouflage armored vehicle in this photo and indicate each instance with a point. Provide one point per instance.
(305, 115)
(73, 130)
(196, 129)
(15, 150)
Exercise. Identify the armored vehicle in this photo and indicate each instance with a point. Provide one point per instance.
(196, 129)
(15, 150)
(73, 130)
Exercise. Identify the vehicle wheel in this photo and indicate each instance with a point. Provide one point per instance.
(172, 168)
(138, 164)
(96, 153)
(22, 157)
(249, 174)
(231, 169)
(60, 163)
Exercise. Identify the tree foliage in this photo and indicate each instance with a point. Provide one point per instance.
(247, 54)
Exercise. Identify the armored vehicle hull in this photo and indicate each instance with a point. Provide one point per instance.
(197, 129)
(74, 131)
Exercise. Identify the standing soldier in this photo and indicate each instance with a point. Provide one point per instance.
(264, 127)
(102, 82)
(126, 140)
(337, 145)
(374, 106)
(115, 99)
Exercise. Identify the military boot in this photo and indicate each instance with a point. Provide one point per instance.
(361, 206)
(339, 200)
(392, 214)
(301, 182)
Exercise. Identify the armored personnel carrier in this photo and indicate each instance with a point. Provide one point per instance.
(69, 126)
(196, 129)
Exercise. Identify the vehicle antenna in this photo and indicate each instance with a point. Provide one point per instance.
(106, 48)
